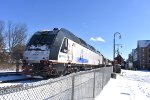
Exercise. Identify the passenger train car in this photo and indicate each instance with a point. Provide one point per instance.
(59, 52)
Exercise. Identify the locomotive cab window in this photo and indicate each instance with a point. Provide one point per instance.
(64, 47)
(42, 39)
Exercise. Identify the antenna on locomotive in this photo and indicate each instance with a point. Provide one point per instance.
(55, 29)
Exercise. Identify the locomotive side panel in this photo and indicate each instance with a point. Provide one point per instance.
(78, 55)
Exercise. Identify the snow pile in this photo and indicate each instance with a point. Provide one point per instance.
(129, 85)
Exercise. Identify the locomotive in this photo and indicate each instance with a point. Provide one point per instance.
(59, 52)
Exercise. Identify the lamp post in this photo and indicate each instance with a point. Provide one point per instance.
(114, 43)
(118, 46)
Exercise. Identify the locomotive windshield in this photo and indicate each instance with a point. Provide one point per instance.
(42, 39)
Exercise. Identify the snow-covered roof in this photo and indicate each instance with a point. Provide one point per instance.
(143, 43)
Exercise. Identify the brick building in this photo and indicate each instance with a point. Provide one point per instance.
(143, 54)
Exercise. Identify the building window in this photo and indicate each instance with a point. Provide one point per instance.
(149, 50)
(149, 55)
(143, 61)
(143, 50)
(149, 61)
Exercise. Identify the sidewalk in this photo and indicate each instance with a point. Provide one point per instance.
(134, 85)
(116, 89)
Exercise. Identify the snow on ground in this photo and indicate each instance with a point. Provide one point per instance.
(2, 70)
(129, 85)
(7, 70)
(11, 77)
(8, 84)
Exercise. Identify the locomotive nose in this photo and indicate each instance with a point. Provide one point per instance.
(36, 53)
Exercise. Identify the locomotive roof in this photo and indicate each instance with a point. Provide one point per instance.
(78, 40)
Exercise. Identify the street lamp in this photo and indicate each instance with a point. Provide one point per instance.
(114, 43)
(118, 46)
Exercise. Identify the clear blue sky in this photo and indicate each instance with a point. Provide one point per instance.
(86, 19)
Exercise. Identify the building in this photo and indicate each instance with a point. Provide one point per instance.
(129, 62)
(135, 59)
(143, 54)
(140, 56)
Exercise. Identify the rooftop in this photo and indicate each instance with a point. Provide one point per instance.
(143, 43)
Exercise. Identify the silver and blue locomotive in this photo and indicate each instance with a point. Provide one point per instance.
(59, 52)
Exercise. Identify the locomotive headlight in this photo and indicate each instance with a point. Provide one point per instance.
(45, 58)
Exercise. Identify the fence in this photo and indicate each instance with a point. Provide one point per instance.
(77, 86)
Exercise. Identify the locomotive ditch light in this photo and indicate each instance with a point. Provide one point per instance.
(44, 62)
(23, 67)
(41, 61)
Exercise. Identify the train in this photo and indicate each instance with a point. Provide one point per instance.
(59, 52)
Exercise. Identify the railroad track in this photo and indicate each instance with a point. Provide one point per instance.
(10, 73)
(19, 80)
(12, 77)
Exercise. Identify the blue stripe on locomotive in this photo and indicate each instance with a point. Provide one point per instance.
(82, 60)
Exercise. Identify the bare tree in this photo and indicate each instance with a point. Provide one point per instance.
(1, 36)
(16, 35)
(2, 55)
